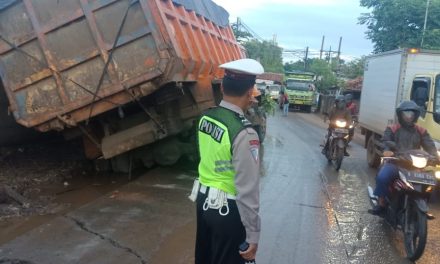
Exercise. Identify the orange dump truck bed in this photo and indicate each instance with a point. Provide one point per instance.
(62, 62)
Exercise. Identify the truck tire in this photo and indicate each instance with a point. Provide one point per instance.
(373, 158)
(308, 108)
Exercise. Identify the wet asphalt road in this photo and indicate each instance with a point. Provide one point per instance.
(310, 213)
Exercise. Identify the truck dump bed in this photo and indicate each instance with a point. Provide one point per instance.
(64, 61)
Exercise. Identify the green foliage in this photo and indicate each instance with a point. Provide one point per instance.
(353, 69)
(240, 35)
(268, 104)
(326, 76)
(268, 53)
(396, 24)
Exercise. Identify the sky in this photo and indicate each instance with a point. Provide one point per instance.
(301, 23)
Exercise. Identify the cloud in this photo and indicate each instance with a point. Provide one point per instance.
(302, 23)
(238, 7)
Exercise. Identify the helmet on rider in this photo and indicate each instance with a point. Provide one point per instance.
(348, 98)
(407, 113)
(340, 102)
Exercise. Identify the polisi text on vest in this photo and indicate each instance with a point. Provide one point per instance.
(212, 129)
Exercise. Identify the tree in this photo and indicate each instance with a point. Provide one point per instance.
(326, 75)
(268, 53)
(396, 24)
(353, 69)
(240, 35)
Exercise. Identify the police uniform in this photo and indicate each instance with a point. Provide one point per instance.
(229, 165)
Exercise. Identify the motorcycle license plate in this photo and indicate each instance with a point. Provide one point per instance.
(421, 177)
(341, 130)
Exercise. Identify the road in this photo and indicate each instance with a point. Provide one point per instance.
(310, 213)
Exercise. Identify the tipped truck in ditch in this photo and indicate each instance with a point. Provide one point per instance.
(128, 76)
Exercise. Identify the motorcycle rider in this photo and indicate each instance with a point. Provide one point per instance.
(339, 111)
(407, 136)
(351, 106)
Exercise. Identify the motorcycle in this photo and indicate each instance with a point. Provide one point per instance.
(407, 208)
(337, 142)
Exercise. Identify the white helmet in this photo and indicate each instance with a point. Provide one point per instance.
(244, 66)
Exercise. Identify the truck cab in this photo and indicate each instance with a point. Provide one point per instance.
(425, 91)
(300, 89)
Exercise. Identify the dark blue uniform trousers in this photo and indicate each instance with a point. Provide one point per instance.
(218, 237)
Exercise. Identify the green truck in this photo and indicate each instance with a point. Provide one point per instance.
(301, 90)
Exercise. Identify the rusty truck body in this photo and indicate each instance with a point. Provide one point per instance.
(123, 74)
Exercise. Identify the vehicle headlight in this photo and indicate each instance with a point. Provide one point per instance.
(341, 123)
(419, 162)
(351, 126)
(437, 175)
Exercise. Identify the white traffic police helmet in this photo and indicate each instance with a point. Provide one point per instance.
(248, 67)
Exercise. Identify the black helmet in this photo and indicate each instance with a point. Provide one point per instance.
(407, 113)
(340, 102)
(348, 97)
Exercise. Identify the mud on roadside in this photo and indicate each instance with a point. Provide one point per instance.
(37, 172)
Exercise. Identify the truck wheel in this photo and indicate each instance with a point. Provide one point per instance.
(372, 158)
(308, 108)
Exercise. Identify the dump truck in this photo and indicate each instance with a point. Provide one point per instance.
(130, 77)
(390, 78)
(300, 89)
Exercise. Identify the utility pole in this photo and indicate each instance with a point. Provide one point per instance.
(339, 54)
(322, 47)
(424, 25)
(306, 57)
(329, 60)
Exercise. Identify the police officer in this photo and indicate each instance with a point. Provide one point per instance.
(228, 200)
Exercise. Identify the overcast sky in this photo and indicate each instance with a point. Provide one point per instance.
(301, 23)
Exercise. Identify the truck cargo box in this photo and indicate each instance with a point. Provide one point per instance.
(388, 80)
(65, 61)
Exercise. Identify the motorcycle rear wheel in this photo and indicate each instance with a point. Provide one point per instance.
(415, 236)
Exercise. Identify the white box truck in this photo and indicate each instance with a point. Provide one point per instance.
(390, 78)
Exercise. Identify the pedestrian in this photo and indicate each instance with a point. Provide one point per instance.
(227, 190)
(285, 103)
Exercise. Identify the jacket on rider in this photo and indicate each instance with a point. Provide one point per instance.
(408, 135)
(408, 138)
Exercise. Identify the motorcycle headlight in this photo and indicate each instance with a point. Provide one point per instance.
(437, 175)
(341, 123)
(419, 162)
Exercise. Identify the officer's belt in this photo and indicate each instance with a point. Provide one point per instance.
(204, 189)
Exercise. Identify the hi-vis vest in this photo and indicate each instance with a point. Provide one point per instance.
(217, 130)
